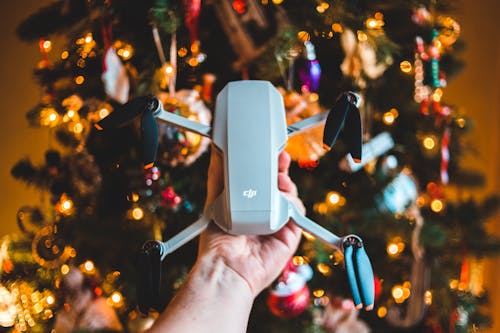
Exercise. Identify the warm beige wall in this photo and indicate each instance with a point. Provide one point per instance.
(18, 93)
(476, 92)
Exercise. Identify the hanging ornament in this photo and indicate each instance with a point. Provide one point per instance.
(399, 194)
(241, 21)
(45, 46)
(360, 60)
(183, 147)
(191, 19)
(311, 74)
(29, 219)
(419, 283)
(84, 308)
(306, 147)
(170, 199)
(445, 155)
(340, 316)
(290, 296)
(49, 249)
(449, 30)
(85, 174)
(371, 150)
(115, 77)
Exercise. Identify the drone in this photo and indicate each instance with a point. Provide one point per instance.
(250, 131)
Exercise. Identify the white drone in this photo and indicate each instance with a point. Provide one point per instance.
(250, 131)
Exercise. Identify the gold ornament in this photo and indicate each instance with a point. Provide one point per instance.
(49, 249)
(183, 147)
(305, 148)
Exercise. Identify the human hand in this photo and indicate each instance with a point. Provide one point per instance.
(258, 260)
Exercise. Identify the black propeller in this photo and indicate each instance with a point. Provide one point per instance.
(148, 286)
(146, 106)
(345, 114)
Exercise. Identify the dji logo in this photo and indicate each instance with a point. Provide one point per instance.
(249, 193)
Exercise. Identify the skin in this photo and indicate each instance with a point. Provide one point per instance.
(230, 270)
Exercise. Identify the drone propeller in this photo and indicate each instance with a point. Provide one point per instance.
(148, 286)
(345, 114)
(150, 108)
(359, 272)
(146, 106)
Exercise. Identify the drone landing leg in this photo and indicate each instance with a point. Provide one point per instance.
(184, 236)
(313, 228)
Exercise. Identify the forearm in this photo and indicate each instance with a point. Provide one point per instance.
(214, 298)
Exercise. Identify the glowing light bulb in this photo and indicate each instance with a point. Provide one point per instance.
(429, 143)
(428, 297)
(324, 269)
(437, 205)
(88, 266)
(103, 113)
(397, 294)
(333, 198)
(50, 300)
(64, 55)
(388, 118)
(405, 66)
(79, 79)
(337, 27)
(303, 36)
(137, 213)
(116, 297)
(382, 312)
(64, 269)
(318, 292)
(392, 249)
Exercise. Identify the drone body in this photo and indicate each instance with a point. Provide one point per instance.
(250, 132)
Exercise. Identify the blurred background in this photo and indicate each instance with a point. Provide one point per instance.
(476, 91)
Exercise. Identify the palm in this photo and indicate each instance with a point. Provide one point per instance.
(257, 259)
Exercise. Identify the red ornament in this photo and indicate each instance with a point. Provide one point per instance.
(288, 306)
(290, 297)
(169, 198)
(378, 287)
(240, 6)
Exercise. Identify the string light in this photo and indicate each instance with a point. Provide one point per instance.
(324, 269)
(337, 27)
(318, 293)
(88, 266)
(362, 37)
(64, 55)
(65, 205)
(395, 247)
(382, 312)
(64, 269)
(429, 142)
(278, 2)
(390, 116)
(322, 7)
(304, 36)
(49, 117)
(405, 66)
(137, 213)
(437, 205)
(428, 297)
(334, 199)
(79, 79)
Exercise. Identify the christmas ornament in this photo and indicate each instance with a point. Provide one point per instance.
(29, 219)
(419, 282)
(371, 150)
(311, 74)
(340, 316)
(445, 155)
(85, 174)
(306, 147)
(191, 18)
(115, 77)
(183, 147)
(169, 198)
(49, 249)
(360, 59)
(290, 296)
(399, 194)
(83, 308)
(241, 21)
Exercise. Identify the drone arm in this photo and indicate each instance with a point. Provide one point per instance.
(314, 228)
(184, 123)
(184, 236)
(304, 124)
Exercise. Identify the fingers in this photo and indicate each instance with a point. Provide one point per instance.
(215, 182)
(284, 162)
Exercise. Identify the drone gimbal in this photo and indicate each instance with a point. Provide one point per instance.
(250, 131)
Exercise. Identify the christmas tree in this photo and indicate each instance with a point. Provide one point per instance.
(407, 198)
